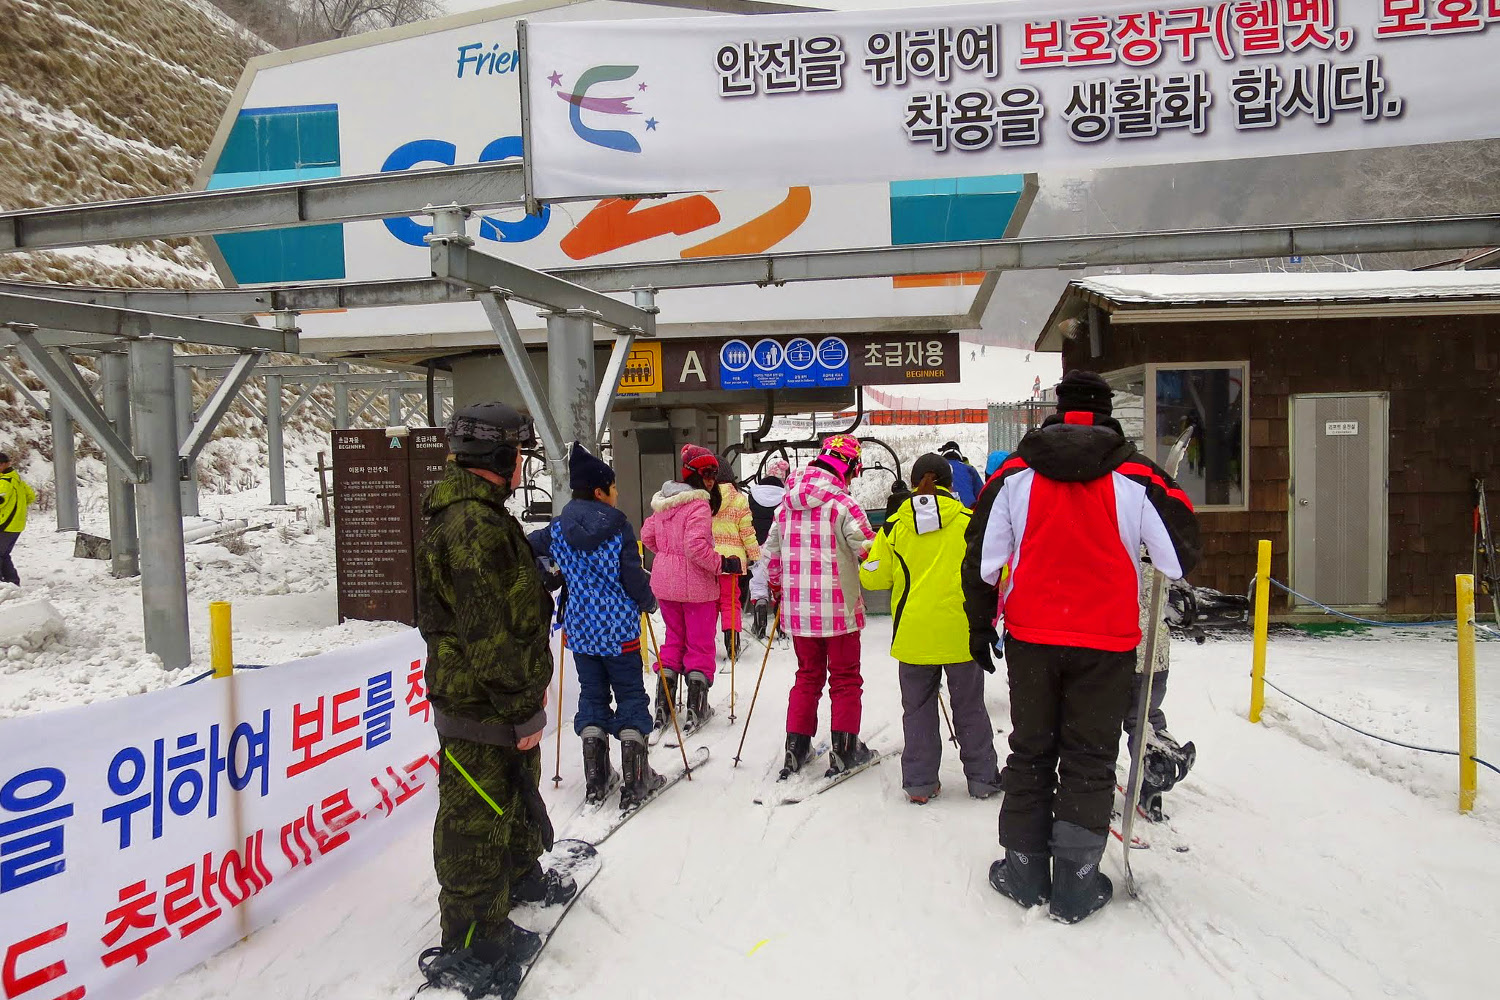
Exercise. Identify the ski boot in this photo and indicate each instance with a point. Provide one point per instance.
(760, 618)
(732, 645)
(542, 887)
(666, 699)
(849, 751)
(922, 798)
(699, 711)
(798, 747)
(1079, 888)
(598, 772)
(637, 782)
(1022, 877)
(491, 967)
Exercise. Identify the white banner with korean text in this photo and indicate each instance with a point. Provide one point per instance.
(666, 105)
(139, 836)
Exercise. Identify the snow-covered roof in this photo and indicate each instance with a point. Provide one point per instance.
(1292, 287)
(1151, 298)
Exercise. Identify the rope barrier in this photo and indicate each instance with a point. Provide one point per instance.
(209, 673)
(1354, 618)
(1375, 736)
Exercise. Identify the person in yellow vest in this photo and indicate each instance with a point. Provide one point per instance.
(735, 541)
(16, 497)
(918, 560)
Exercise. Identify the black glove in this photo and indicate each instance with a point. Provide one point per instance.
(551, 573)
(729, 565)
(982, 646)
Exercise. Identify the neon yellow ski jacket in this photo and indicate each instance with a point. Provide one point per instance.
(15, 499)
(916, 556)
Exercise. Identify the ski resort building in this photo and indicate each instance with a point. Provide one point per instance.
(1345, 417)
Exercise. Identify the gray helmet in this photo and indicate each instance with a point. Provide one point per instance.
(488, 435)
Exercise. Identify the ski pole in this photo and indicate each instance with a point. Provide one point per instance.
(671, 707)
(952, 736)
(562, 668)
(770, 636)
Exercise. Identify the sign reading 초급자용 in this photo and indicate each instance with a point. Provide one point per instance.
(740, 102)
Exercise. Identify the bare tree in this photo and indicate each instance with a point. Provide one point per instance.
(341, 18)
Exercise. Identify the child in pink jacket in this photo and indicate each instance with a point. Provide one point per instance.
(685, 580)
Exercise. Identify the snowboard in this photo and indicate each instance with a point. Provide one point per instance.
(822, 783)
(577, 858)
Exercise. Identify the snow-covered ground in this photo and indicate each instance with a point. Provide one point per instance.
(1320, 865)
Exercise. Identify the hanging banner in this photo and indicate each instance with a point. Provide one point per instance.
(141, 835)
(686, 104)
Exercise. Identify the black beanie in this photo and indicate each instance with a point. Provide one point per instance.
(1086, 392)
(585, 472)
(937, 465)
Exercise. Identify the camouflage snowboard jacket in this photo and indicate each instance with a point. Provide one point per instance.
(481, 605)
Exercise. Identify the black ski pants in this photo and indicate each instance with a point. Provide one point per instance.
(1067, 705)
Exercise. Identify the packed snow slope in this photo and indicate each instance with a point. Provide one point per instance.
(1320, 865)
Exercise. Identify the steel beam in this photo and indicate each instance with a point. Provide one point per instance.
(273, 206)
(182, 386)
(85, 411)
(275, 441)
(570, 387)
(340, 402)
(158, 503)
(78, 317)
(365, 406)
(463, 265)
(522, 371)
(15, 382)
(64, 467)
(302, 397)
(218, 404)
(251, 301)
(394, 411)
(124, 545)
(610, 386)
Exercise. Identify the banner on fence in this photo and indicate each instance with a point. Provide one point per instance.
(140, 836)
(742, 102)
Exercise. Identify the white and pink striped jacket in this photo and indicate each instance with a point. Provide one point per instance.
(813, 553)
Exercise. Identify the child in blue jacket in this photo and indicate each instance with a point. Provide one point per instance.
(607, 591)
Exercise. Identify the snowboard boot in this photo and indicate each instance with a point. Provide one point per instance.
(848, 752)
(491, 967)
(598, 772)
(542, 887)
(638, 781)
(798, 747)
(922, 798)
(698, 709)
(665, 699)
(1079, 888)
(1022, 877)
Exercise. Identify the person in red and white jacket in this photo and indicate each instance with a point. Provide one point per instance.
(1068, 513)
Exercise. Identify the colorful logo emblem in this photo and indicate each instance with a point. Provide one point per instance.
(579, 101)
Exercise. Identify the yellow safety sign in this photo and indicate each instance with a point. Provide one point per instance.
(642, 369)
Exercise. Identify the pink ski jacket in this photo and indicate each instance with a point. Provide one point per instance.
(680, 532)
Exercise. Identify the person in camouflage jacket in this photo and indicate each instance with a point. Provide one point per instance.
(485, 614)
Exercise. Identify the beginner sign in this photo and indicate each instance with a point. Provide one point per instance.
(653, 106)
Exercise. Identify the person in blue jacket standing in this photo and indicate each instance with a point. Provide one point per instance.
(966, 480)
(607, 592)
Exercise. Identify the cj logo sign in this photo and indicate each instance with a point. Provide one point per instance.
(579, 101)
(436, 152)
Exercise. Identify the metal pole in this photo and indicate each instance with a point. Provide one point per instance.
(432, 405)
(1262, 618)
(183, 387)
(159, 504)
(276, 442)
(393, 407)
(1468, 741)
(340, 401)
(124, 546)
(64, 467)
(570, 386)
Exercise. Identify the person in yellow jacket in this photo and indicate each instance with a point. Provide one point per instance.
(16, 497)
(918, 560)
(737, 546)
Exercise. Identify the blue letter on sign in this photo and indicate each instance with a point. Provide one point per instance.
(404, 157)
(529, 227)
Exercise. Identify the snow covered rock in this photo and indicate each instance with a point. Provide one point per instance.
(27, 625)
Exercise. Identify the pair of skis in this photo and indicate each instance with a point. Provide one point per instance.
(811, 780)
(1143, 708)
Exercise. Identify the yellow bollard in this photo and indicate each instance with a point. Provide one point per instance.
(1262, 614)
(1468, 742)
(220, 638)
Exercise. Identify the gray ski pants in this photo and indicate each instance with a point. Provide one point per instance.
(1156, 715)
(924, 730)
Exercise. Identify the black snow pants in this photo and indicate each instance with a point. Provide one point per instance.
(1067, 705)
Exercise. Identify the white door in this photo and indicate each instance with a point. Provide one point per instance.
(1338, 495)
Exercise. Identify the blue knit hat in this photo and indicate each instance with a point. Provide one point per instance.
(585, 472)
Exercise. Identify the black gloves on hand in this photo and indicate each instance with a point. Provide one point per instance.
(982, 647)
(729, 564)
